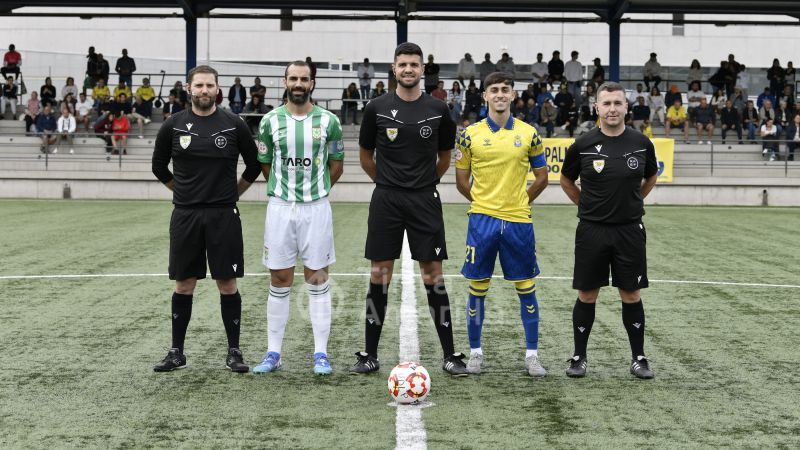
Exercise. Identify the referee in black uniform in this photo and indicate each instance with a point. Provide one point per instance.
(618, 168)
(204, 144)
(406, 141)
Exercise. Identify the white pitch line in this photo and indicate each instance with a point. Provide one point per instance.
(366, 274)
(409, 427)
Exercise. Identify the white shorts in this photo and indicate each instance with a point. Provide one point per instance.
(298, 229)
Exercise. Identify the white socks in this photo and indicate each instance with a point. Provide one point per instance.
(319, 306)
(529, 353)
(277, 316)
(473, 351)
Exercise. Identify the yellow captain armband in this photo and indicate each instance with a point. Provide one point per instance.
(479, 288)
(526, 286)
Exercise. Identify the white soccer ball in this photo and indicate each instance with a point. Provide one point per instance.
(409, 383)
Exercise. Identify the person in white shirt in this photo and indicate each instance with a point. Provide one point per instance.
(652, 71)
(83, 109)
(657, 106)
(466, 70)
(769, 140)
(69, 88)
(65, 129)
(455, 100)
(639, 92)
(743, 80)
(366, 72)
(573, 72)
(540, 74)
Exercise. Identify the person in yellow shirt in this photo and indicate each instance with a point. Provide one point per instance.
(493, 159)
(676, 118)
(100, 91)
(147, 94)
(122, 88)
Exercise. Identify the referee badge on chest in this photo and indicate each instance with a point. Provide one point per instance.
(391, 133)
(185, 140)
(598, 165)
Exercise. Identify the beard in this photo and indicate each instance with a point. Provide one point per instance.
(407, 85)
(301, 98)
(203, 103)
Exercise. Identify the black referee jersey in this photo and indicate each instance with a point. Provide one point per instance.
(407, 137)
(611, 169)
(205, 152)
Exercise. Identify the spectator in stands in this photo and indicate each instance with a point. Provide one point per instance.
(138, 111)
(47, 93)
(555, 69)
(486, 67)
(540, 74)
(695, 74)
(83, 110)
(764, 96)
(119, 137)
(598, 74)
(793, 136)
(12, 61)
(545, 94)
(730, 120)
(776, 76)
(563, 98)
(100, 92)
(589, 109)
(640, 113)
(103, 68)
(454, 100)
(547, 116)
(573, 73)
(439, 92)
(237, 96)
(529, 92)
(390, 78)
(92, 69)
(466, 70)
(65, 130)
(431, 75)
(472, 102)
(569, 118)
(9, 97)
(673, 94)
(181, 96)
(257, 108)
(532, 113)
(693, 98)
(103, 130)
(366, 72)
(647, 129)
(147, 94)
(172, 106)
(751, 121)
(257, 88)
(769, 140)
(718, 100)
(723, 78)
(69, 103)
(518, 109)
(120, 106)
(733, 65)
(69, 88)
(790, 76)
(349, 103)
(766, 112)
(31, 111)
(506, 65)
(122, 88)
(787, 96)
(742, 80)
(634, 96)
(739, 101)
(46, 127)
(657, 105)
(125, 68)
(705, 117)
(652, 71)
(378, 91)
(677, 118)
(782, 117)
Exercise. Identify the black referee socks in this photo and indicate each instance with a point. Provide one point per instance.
(633, 319)
(181, 313)
(376, 312)
(582, 320)
(231, 306)
(439, 304)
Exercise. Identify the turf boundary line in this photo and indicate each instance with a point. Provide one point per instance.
(366, 274)
(409, 427)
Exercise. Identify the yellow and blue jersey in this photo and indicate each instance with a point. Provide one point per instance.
(499, 158)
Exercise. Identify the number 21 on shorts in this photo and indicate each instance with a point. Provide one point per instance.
(470, 254)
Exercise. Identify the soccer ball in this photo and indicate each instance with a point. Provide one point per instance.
(409, 383)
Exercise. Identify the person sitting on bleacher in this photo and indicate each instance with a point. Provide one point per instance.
(547, 116)
(10, 97)
(237, 96)
(47, 93)
(793, 136)
(122, 88)
(121, 106)
(12, 61)
(673, 94)
(766, 112)
(255, 106)
(172, 106)
(640, 113)
(100, 92)
(730, 120)
(146, 92)
(65, 129)
(782, 117)
(693, 98)
(769, 140)
(46, 127)
(69, 103)
(31, 111)
(138, 112)
(119, 136)
(762, 97)
(102, 129)
(83, 110)
(676, 118)
(705, 117)
(69, 88)
(751, 121)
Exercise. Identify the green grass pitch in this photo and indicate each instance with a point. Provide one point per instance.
(77, 353)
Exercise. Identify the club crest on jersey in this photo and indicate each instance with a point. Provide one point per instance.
(517, 141)
(598, 165)
(220, 141)
(185, 141)
(425, 132)
(262, 148)
(391, 133)
(633, 163)
(487, 142)
(316, 133)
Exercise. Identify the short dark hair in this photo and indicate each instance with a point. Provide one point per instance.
(299, 64)
(610, 86)
(203, 69)
(408, 48)
(498, 77)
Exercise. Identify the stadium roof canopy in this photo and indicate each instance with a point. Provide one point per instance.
(401, 11)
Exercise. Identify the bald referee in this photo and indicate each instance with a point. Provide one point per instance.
(204, 144)
(618, 168)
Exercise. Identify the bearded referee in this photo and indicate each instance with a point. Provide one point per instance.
(204, 144)
(618, 168)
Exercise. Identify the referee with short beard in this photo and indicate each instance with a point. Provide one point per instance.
(204, 144)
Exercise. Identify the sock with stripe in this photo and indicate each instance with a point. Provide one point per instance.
(181, 314)
(377, 298)
(529, 312)
(439, 305)
(277, 316)
(231, 308)
(319, 306)
(476, 312)
(633, 319)
(582, 320)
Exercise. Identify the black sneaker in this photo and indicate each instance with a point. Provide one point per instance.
(455, 366)
(577, 366)
(365, 364)
(173, 361)
(235, 361)
(640, 368)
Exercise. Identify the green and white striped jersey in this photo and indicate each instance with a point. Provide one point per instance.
(298, 149)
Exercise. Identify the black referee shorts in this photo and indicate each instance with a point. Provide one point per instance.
(195, 233)
(419, 213)
(619, 246)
